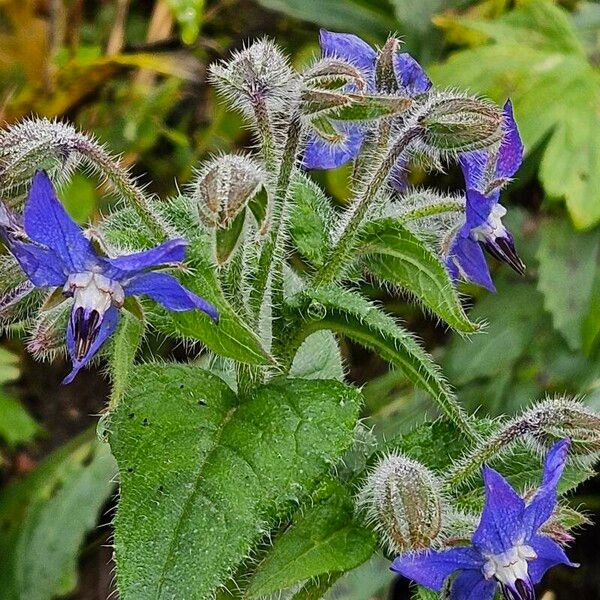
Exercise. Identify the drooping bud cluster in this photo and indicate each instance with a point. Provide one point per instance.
(256, 78)
(35, 144)
(453, 123)
(224, 187)
(561, 417)
(401, 498)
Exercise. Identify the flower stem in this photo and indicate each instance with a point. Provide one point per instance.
(100, 161)
(270, 263)
(367, 193)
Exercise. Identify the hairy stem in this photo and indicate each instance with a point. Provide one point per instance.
(367, 193)
(271, 257)
(123, 183)
(434, 209)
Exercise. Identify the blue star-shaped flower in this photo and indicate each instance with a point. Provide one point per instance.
(53, 252)
(485, 174)
(507, 549)
(319, 154)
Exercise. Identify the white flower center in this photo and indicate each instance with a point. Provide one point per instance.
(94, 291)
(492, 228)
(510, 566)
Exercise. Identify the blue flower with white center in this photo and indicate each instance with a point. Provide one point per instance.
(53, 252)
(507, 549)
(412, 81)
(485, 174)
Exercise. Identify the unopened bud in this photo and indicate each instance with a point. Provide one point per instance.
(454, 123)
(224, 187)
(385, 72)
(332, 73)
(47, 337)
(256, 78)
(35, 144)
(402, 500)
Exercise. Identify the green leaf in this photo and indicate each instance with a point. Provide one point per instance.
(224, 474)
(231, 337)
(590, 331)
(567, 265)
(352, 315)
(16, 425)
(318, 357)
(322, 539)
(310, 220)
(366, 107)
(397, 256)
(366, 581)
(46, 515)
(513, 317)
(368, 19)
(534, 53)
(189, 15)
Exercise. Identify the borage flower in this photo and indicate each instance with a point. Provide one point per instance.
(411, 79)
(507, 549)
(53, 252)
(485, 175)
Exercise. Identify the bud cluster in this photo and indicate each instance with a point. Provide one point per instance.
(402, 499)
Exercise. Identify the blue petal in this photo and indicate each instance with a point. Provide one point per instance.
(121, 267)
(410, 75)
(549, 554)
(107, 328)
(541, 507)
(431, 569)
(473, 167)
(479, 207)
(319, 154)
(166, 290)
(466, 259)
(351, 48)
(41, 265)
(501, 521)
(46, 222)
(510, 154)
(472, 585)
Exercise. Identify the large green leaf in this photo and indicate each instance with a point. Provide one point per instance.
(45, 517)
(534, 56)
(395, 255)
(322, 539)
(202, 477)
(352, 315)
(568, 262)
(370, 18)
(16, 424)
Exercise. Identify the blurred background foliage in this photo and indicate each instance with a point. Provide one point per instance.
(134, 74)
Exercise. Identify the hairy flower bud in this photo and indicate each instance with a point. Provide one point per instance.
(36, 144)
(402, 499)
(224, 187)
(331, 73)
(385, 74)
(453, 123)
(256, 78)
